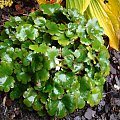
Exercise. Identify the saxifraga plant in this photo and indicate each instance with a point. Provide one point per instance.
(55, 59)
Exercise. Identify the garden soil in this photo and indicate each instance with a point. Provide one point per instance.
(108, 108)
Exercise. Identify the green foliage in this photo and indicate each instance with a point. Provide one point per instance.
(54, 60)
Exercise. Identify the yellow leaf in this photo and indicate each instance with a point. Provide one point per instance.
(108, 16)
(41, 2)
(81, 5)
(48, 1)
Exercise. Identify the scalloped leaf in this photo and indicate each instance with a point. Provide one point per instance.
(95, 96)
(56, 108)
(17, 91)
(29, 97)
(26, 31)
(23, 77)
(6, 69)
(40, 21)
(41, 48)
(50, 9)
(6, 83)
(66, 80)
(56, 93)
(70, 102)
(52, 28)
(43, 74)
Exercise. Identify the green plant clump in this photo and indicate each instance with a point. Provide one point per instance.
(55, 59)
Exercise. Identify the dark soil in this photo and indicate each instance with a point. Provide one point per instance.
(108, 108)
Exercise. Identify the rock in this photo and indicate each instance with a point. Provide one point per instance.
(117, 102)
(112, 69)
(117, 81)
(107, 108)
(102, 103)
(89, 113)
(77, 118)
(112, 117)
(103, 116)
(83, 118)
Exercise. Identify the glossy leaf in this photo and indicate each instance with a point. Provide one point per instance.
(52, 28)
(50, 9)
(57, 63)
(52, 53)
(30, 96)
(62, 39)
(56, 108)
(70, 102)
(56, 93)
(6, 69)
(42, 48)
(23, 77)
(95, 97)
(37, 105)
(27, 31)
(43, 75)
(6, 83)
(40, 21)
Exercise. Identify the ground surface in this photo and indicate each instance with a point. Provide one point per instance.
(109, 107)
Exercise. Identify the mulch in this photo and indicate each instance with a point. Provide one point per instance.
(108, 108)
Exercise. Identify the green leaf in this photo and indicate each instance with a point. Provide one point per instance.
(43, 74)
(56, 108)
(43, 97)
(84, 87)
(69, 33)
(66, 51)
(62, 27)
(103, 60)
(28, 59)
(6, 83)
(48, 88)
(56, 93)
(17, 91)
(52, 53)
(81, 102)
(66, 80)
(40, 21)
(95, 96)
(52, 28)
(29, 97)
(6, 58)
(99, 79)
(93, 29)
(23, 77)
(26, 31)
(42, 48)
(77, 67)
(6, 69)
(50, 9)
(37, 105)
(96, 45)
(62, 39)
(80, 54)
(41, 113)
(80, 31)
(70, 102)
(80, 5)
(69, 60)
